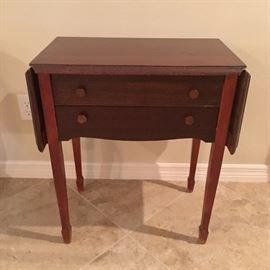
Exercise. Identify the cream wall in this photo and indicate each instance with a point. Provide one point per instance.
(27, 26)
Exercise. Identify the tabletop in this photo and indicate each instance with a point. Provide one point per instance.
(171, 56)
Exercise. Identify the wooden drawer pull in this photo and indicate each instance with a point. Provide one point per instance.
(189, 120)
(194, 93)
(82, 119)
(80, 92)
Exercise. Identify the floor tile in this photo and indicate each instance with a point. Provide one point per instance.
(30, 231)
(125, 255)
(257, 192)
(162, 217)
(233, 243)
(10, 186)
(130, 203)
(258, 196)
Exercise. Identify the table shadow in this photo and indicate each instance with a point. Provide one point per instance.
(35, 216)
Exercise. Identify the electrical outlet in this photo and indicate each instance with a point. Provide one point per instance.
(24, 106)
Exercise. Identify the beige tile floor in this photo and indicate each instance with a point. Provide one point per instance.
(134, 225)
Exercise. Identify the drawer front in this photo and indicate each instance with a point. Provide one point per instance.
(136, 123)
(169, 91)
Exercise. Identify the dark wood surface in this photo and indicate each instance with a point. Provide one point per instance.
(81, 55)
(216, 154)
(56, 154)
(193, 164)
(36, 109)
(136, 124)
(76, 147)
(238, 111)
(137, 90)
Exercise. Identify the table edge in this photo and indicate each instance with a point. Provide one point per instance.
(136, 70)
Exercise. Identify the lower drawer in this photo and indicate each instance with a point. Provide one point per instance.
(136, 123)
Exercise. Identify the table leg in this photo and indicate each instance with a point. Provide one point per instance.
(216, 154)
(57, 163)
(56, 154)
(193, 164)
(76, 145)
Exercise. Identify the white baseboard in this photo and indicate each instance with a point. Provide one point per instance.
(139, 171)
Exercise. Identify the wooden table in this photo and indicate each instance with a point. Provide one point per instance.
(139, 90)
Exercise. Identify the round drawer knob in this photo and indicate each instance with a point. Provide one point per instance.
(81, 118)
(80, 92)
(194, 93)
(189, 120)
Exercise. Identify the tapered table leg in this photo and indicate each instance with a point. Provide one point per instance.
(193, 164)
(76, 145)
(216, 154)
(56, 154)
(214, 167)
(57, 162)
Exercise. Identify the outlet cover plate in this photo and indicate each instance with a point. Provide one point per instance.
(24, 106)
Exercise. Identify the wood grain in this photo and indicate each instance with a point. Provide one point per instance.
(56, 154)
(238, 111)
(36, 109)
(137, 90)
(216, 154)
(82, 55)
(136, 123)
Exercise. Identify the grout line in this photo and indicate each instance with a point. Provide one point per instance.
(103, 252)
(96, 208)
(134, 229)
(163, 207)
(236, 193)
(150, 253)
(241, 196)
(126, 233)
(111, 246)
(27, 187)
(129, 230)
(167, 205)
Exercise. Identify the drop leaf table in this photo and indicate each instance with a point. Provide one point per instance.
(137, 89)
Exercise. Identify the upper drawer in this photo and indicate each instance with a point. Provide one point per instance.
(168, 91)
